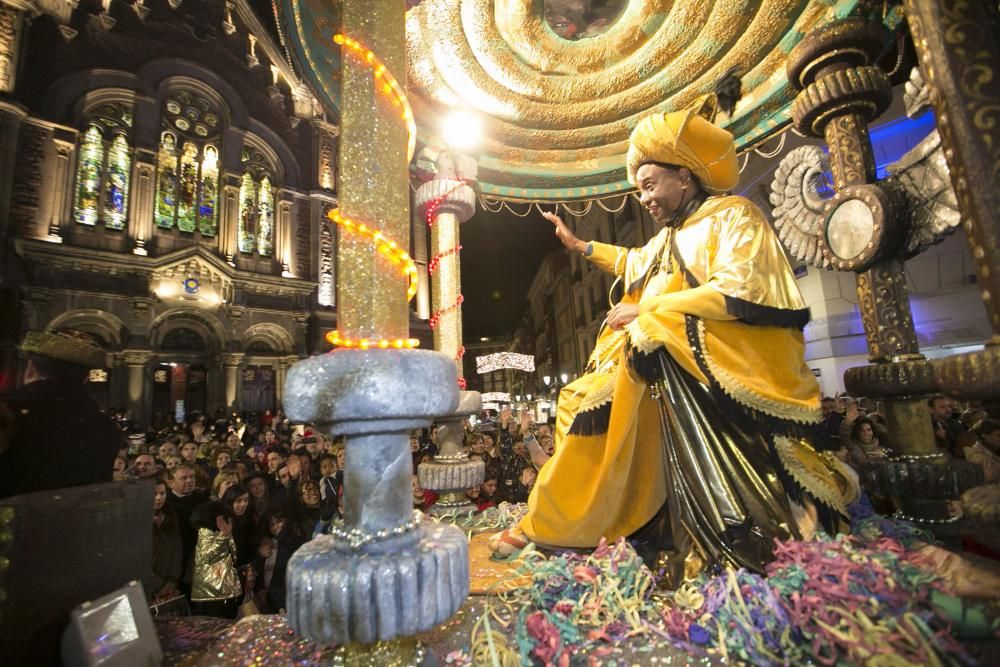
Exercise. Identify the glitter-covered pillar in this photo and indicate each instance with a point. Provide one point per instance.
(382, 575)
(373, 186)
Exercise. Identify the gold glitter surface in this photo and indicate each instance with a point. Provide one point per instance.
(371, 296)
(446, 285)
(551, 106)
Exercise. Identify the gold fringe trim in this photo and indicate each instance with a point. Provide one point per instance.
(639, 339)
(811, 471)
(751, 399)
(599, 394)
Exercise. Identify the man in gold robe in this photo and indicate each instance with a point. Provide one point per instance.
(696, 408)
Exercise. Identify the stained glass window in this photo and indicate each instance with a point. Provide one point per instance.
(166, 185)
(248, 204)
(256, 223)
(88, 176)
(187, 188)
(104, 163)
(209, 191)
(265, 218)
(116, 186)
(188, 191)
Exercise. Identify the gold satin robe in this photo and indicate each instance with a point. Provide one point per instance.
(612, 482)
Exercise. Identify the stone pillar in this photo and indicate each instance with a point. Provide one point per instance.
(61, 194)
(382, 575)
(281, 374)
(283, 232)
(231, 365)
(11, 116)
(229, 212)
(959, 56)
(141, 207)
(137, 398)
(11, 26)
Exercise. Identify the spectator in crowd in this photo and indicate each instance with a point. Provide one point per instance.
(236, 500)
(307, 513)
(258, 485)
(166, 448)
(985, 450)
(475, 497)
(329, 491)
(423, 498)
(831, 417)
(488, 489)
(941, 409)
(120, 469)
(172, 461)
(223, 481)
(167, 550)
(145, 466)
(53, 393)
(215, 586)
(274, 548)
(863, 444)
(183, 499)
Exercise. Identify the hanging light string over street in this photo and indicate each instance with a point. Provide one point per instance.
(386, 84)
(494, 362)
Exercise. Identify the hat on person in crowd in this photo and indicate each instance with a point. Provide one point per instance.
(69, 345)
(690, 138)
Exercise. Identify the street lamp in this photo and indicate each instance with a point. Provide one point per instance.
(564, 377)
(546, 379)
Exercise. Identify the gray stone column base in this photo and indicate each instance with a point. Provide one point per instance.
(336, 597)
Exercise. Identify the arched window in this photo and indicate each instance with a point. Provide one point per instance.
(256, 219)
(104, 163)
(187, 184)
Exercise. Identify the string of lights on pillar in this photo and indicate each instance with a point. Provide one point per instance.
(389, 86)
(383, 244)
(435, 263)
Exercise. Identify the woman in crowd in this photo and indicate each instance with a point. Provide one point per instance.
(215, 586)
(864, 444)
(488, 489)
(220, 458)
(223, 481)
(172, 461)
(167, 552)
(120, 469)
(307, 511)
(274, 548)
(258, 485)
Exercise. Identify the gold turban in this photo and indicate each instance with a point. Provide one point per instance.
(687, 138)
(69, 345)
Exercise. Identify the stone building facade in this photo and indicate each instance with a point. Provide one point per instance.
(164, 179)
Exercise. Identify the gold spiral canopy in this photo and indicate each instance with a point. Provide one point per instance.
(557, 113)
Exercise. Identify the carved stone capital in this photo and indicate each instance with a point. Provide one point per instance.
(231, 359)
(137, 357)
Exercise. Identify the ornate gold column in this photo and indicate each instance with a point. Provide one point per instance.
(960, 60)
(842, 91)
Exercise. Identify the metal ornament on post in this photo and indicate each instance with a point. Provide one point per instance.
(866, 227)
(446, 200)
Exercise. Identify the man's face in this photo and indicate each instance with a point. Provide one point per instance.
(284, 476)
(548, 444)
(661, 190)
(274, 461)
(327, 467)
(183, 481)
(145, 465)
(941, 408)
(189, 451)
(167, 449)
(827, 408)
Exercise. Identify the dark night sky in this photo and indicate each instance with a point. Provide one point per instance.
(500, 255)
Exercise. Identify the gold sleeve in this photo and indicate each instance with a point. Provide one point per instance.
(608, 258)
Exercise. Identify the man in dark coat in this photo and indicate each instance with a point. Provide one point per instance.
(52, 418)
